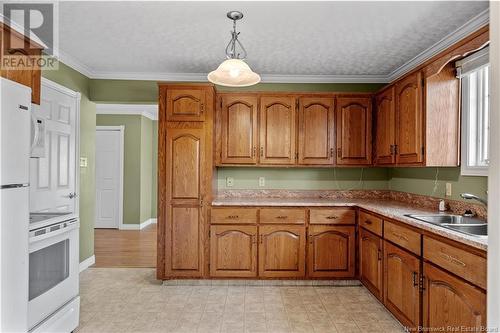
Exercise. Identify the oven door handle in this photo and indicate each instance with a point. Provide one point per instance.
(54, 233)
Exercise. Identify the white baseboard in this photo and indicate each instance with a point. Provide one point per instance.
(137, 226)
(87, 263)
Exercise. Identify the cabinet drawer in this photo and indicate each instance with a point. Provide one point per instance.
(332, 216)
(468, 266)
(233, 215)
(371, 223)
(283, 215)
(402, 236)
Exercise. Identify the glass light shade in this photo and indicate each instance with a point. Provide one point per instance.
(234, 73)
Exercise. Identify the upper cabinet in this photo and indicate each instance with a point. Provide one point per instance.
(353, 125)
(12, 44)
(239, 129)
(385, 120)
(186, 104)
(316, 131)
(409, 120)
(277, 130)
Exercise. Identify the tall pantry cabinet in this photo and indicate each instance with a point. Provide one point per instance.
(185, 157)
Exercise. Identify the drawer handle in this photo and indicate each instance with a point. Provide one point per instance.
(402, 237)
(415, 279)
(368, 222)
(452, 259)
(232, 216)
(332, 217)
(281, 217)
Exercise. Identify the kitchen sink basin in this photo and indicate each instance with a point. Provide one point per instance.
(467, 225)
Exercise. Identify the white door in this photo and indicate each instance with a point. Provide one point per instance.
(53, 177)
(109, 176)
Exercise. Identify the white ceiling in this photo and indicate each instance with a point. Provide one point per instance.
(369, 41)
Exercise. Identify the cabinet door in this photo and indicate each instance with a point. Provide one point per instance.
(233, 251)
(451, 303)
(185, 212)
(370, 262)
(409, 120)
(331, 251)
(239, 129)
(186, 104)
(316, 141)
(401, 285)
(277, 130)
(385, 135)
(282, 251)
(354, 126)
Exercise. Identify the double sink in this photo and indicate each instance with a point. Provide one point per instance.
(467, 225)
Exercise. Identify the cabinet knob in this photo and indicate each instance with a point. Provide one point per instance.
(261, 151)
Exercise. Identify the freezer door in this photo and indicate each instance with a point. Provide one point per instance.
(14, 277)
(15, 106)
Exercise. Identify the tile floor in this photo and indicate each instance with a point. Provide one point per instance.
(131, 300)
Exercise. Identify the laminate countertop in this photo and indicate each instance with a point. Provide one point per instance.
(391, 209)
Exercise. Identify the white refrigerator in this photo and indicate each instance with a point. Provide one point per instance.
(15, 106)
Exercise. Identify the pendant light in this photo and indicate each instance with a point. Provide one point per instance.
(234, 72)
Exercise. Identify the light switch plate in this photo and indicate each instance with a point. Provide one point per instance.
(229, 181)
(448, 189)
(262, 181)
(83, 162)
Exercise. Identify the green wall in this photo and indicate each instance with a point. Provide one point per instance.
(432, 181)
(138, 165)
(304, 178)
(72, 79)
(154, 171)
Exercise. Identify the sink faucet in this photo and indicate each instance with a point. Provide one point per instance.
(475, 197)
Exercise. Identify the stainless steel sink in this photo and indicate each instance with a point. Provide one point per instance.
(467, 225)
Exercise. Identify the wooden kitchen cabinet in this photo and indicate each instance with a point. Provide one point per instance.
(12, 44)
(233, 251)
(282, 251)
(186, 103)
(409, 120)
(385, 133)
(238, 129)
(331, 251)
(185, 210)
(370, 262)
(354, 127)
(401, 285)
(451, 303)
(316, 131)
(277, 130)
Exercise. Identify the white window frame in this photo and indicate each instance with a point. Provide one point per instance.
(465, 67)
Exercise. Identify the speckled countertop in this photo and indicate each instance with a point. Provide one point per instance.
(390, 208)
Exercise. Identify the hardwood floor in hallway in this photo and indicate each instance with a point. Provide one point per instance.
(125, 248)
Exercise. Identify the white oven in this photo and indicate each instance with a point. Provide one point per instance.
(53, 269)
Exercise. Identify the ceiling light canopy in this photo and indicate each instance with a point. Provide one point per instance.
(234, 72)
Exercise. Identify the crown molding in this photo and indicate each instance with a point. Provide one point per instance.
(474, 24)
(477, 22)
(147, 110)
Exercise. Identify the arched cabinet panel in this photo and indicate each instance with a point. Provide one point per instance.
(187, 104)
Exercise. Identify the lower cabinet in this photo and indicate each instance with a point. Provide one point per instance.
(282, 251)
(370, 262)
(451, 304)
(331, 251)
(401, 285)
(233, 251)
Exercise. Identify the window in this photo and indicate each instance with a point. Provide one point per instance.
(474, 72)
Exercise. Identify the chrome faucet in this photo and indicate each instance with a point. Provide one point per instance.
(475, 197)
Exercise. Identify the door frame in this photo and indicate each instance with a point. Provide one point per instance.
(121, 130)
(77, 96)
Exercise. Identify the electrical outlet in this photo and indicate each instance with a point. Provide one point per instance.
(262, 181)
(448, 189)
(229, 181)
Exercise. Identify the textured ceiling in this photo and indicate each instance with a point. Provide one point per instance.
(285, 38)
